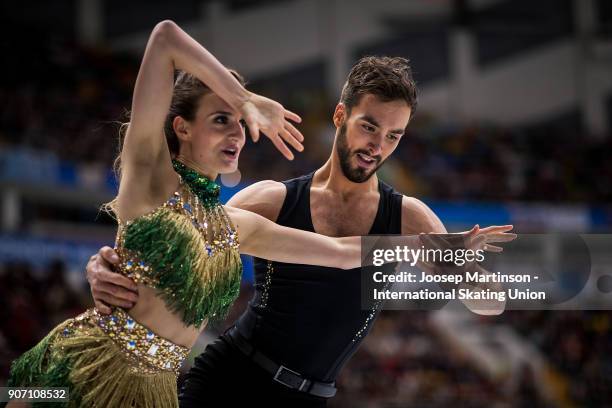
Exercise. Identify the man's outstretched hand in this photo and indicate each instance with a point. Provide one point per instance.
(109, 288)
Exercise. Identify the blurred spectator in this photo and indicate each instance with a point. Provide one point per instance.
(71, 101)
(66, 105)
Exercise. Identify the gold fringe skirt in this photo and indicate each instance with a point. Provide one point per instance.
(105, 361)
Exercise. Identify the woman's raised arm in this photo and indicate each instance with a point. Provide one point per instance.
(170, 48)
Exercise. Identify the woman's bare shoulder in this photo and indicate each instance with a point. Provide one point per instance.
(141, 193)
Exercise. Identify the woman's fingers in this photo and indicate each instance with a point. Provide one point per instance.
(433, 241)
(279, 138)
(501, 237)
(496, 228)
(293, 116)
(427, 265)
(288, 137)
(253, 130)
(282, 147)
(478, 240)
(475, 230)
(492, 248)
(293, 130)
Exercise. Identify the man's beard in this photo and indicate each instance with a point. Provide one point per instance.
(356, 174)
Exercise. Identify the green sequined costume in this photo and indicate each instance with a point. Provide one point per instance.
(187, 249)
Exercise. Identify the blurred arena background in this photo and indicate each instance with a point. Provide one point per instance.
(514, 126)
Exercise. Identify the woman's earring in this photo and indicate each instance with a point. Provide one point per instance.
(231, 179)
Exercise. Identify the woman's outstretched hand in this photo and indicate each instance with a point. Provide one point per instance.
(475, 239)
(481, 238)
(272, 119)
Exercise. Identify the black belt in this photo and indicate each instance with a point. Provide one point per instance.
(279, 372)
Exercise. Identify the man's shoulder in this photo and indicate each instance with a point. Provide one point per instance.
(264, 198)
(417, 217)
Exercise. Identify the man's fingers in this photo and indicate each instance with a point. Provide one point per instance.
(293, 116)
(116, 279)
(109, 255)
(102, 307)
(111, 300)
(288, 137)
(117, 292)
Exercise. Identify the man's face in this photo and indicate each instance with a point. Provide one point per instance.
(367, 136)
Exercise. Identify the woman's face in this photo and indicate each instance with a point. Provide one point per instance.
(214, 139)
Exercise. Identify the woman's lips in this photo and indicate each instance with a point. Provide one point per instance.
(231, 153)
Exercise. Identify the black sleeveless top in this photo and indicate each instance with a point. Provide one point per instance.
(309, 318)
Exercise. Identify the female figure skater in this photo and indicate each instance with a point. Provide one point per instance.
(174, 238)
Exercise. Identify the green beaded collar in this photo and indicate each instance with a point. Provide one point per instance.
(203, 187)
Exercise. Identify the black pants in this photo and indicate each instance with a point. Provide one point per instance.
(223, 376)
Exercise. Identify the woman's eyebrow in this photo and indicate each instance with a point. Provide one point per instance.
(221, 113)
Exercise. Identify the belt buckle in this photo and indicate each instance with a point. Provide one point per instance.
(282, 369)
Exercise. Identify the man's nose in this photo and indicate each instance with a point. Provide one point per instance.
(374, 144)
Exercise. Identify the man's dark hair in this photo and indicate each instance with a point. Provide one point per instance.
(389, 78)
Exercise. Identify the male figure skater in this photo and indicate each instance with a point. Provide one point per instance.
(305, 322)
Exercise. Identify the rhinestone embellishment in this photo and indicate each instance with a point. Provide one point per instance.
(149, 352)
